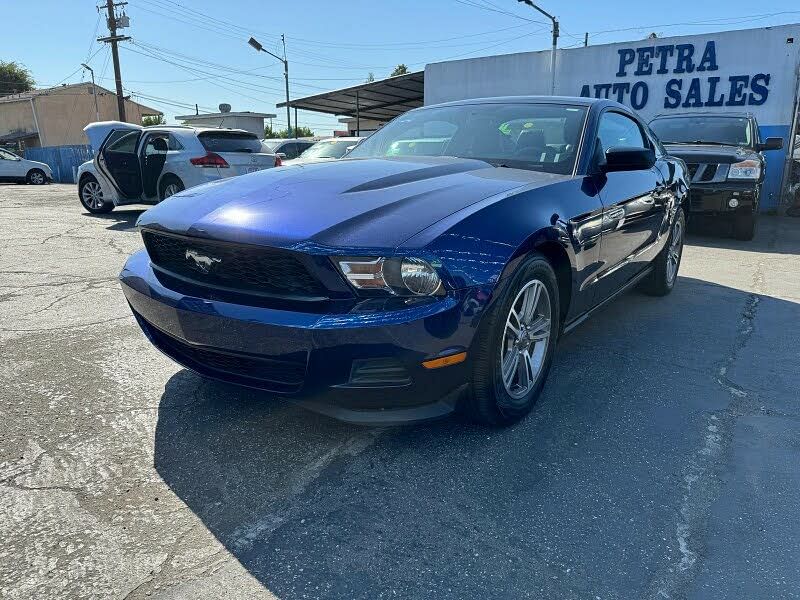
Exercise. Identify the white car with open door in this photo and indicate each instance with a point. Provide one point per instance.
(135, 165)
(21, 170)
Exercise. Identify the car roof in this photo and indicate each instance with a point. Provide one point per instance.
(571, 100)
(684, 115)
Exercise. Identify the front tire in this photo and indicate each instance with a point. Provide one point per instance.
(36, 177)
(91, 196)
(744, 227)
(515, 345)
(665, 266)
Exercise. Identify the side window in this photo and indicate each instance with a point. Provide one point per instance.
(126, 144)
(290, 150)
(656, 143)
(173, 143)
(5, 155)
(115, 135)
(616, 129)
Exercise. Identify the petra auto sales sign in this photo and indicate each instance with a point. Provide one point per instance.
(694, 81)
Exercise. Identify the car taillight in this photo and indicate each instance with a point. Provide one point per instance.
(211, 159)
(278, 161)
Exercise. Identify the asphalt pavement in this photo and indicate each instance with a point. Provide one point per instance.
(661, 462)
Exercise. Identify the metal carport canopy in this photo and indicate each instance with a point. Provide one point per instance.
(379, 100)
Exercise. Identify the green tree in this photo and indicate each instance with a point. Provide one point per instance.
(154, 120)
(14, 78)
(302, 131)
(370, 77)
(400, 69)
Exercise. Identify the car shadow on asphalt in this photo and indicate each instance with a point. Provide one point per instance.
(120, 220)
(579, 497)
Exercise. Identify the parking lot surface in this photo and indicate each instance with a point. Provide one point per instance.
(661, 462)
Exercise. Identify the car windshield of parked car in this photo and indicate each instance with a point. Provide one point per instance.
(230, 141)
(733, 131)
(328, 149)
(540, 137)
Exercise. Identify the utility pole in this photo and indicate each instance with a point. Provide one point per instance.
(113, 39)
(259, 48)
(94, 91)
(586, 39)
(555, 42)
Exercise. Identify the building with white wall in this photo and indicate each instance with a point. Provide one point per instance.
(249, 121)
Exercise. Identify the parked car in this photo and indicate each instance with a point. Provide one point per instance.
(385, 288)
(330, 149)
(726, 166)
(21, 170)
(289, 148)
(134, 164)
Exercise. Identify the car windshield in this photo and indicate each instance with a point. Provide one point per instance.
(540, 137)
(328, 149)
(230, 141)
(734, 131)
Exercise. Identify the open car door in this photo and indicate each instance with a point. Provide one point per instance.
(119, 162)
(114, 146)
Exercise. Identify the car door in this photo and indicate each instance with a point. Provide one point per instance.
(118, 161)
(12, 165)
(633, 207)
(7, 164)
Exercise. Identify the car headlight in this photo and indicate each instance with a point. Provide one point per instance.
(396, 276)
(746, 169)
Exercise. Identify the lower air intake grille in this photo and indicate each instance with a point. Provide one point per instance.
(284, 374)
(238, 267)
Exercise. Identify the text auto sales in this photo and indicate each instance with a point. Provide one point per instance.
(697, 92)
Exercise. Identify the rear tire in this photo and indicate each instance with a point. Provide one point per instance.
(744, 226)
(169, 186)
(36, 177)
(511, 354)
(665, 266)
(91, 196)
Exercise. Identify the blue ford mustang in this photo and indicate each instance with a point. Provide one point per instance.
(435, 267)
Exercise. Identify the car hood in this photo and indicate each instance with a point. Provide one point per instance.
(710, 153)
(355, 203)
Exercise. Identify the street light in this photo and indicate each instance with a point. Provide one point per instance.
(94, 91)
(259, 48)
(555, 41)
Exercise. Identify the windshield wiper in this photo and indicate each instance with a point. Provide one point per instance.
(694, 142)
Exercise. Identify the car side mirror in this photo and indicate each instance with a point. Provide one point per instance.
(771, 143)
(281, 155)
(626, 158)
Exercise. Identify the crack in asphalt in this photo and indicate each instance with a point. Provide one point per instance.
(701, 478)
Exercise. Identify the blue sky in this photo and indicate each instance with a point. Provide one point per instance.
(195, 51)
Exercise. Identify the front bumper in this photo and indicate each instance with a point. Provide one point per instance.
(314, 358)
(714, 198)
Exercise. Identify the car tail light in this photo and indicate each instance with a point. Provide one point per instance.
(278, 161)
(211, 159)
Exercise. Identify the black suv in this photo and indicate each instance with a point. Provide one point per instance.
(726, 167)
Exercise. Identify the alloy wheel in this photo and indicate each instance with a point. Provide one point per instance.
(171, 190)
(525, 339)
(674, 252)
(37, 178)
(92, 194)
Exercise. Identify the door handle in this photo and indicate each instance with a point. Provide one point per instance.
(613, 214)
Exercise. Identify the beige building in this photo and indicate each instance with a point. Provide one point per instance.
(56, 116)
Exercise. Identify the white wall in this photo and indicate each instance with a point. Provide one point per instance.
(749, 53)
(252, 124)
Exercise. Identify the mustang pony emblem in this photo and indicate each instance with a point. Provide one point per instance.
(202, 263)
